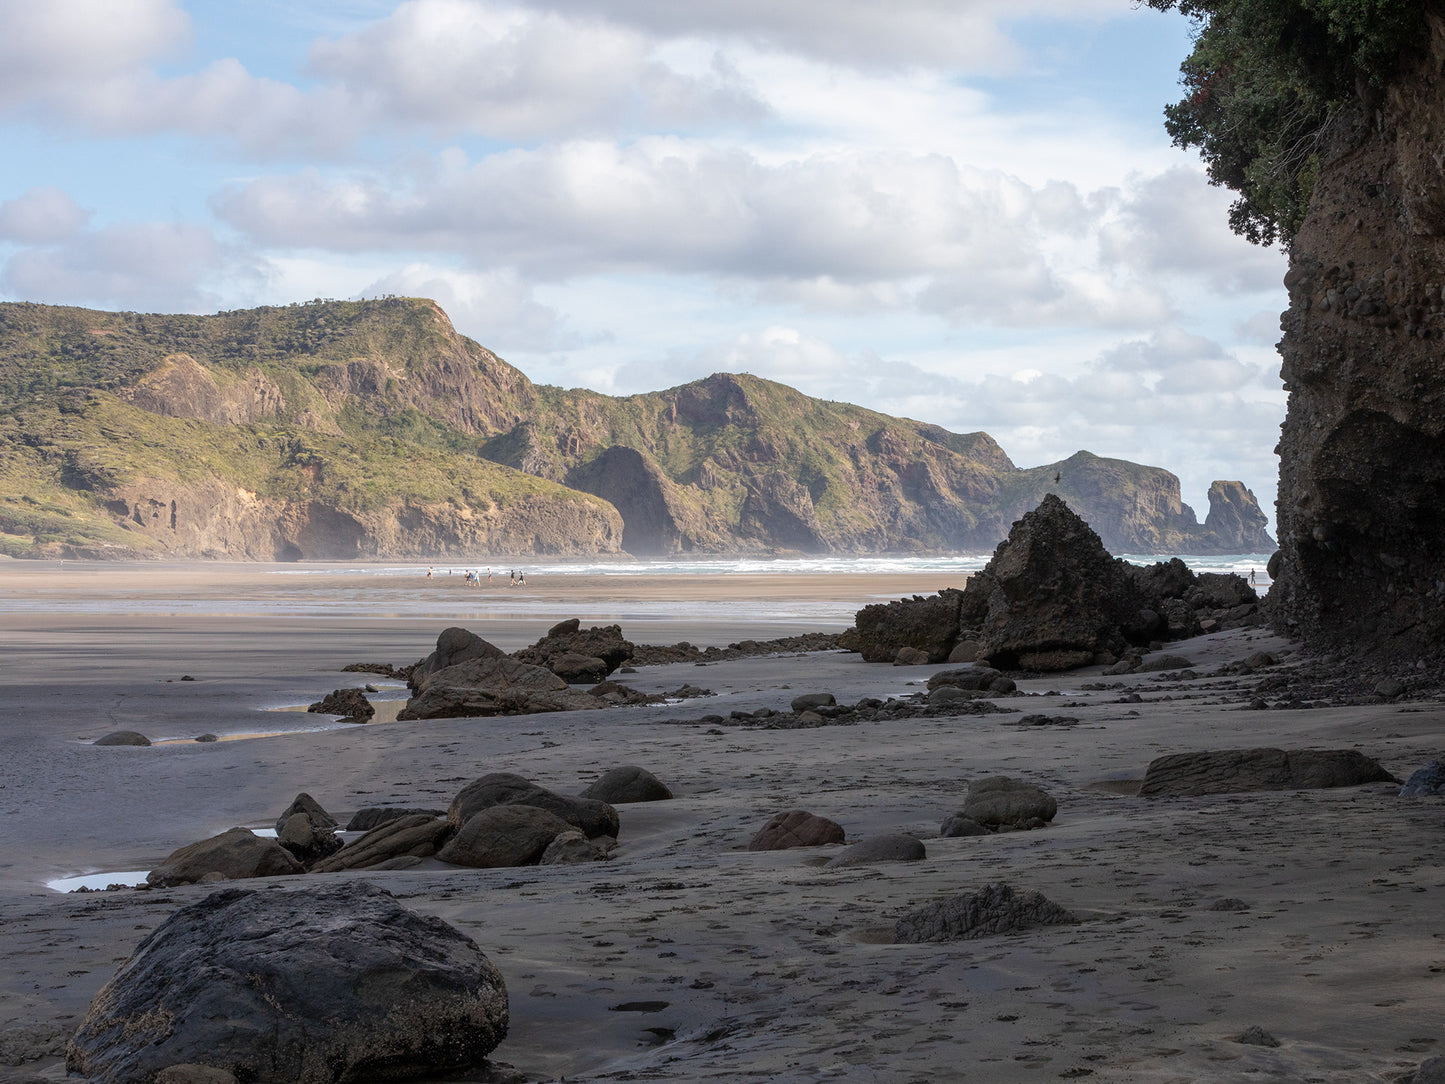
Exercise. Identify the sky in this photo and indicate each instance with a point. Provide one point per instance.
(965, 212)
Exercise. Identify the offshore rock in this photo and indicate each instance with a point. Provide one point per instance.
(309, 986)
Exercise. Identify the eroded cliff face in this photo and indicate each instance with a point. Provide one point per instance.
(213, 519)
(1362, 454)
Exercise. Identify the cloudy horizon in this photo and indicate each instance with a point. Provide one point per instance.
(968, 213)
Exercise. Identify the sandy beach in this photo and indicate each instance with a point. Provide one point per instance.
(750, 965)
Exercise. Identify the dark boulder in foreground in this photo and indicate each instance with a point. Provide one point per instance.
(233, 855)
(307, 986)
(1227, 771)
(994, 909)
(504, 788)
(628, 783)
(796, 828)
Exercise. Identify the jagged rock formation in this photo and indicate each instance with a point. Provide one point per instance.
(373, 430)
(1362, 532)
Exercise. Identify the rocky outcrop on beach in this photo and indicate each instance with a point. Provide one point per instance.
(578, 655)
(1229, 771)
(312, 986)
(351, 430)
(1052, 598)
(351, 704)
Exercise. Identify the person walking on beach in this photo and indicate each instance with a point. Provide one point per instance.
(1251, 577)
(428, 572)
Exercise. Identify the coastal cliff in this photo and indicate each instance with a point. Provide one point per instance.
(1363, 446)
(373, 430)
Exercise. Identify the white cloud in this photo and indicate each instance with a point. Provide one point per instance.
(497, 308)
(838, 228)
(961, 34)
(61, 48)
(1173, 223)
(41, 216)
(503, 71)
(152, 266)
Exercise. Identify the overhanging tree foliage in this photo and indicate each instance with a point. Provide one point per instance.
(1264, 82)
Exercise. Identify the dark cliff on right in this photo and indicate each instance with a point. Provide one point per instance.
(1328, 119)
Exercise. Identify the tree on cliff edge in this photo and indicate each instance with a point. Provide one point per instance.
(1263, 84)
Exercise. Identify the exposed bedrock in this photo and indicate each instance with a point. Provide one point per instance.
(1362, 455)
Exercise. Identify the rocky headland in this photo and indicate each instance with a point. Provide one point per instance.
(373, 430)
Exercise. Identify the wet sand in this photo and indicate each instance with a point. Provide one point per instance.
(770, 966)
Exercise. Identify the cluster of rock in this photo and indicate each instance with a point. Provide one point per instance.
(666, 654)
(468, 677)
(497, 820)
(811, 710)
(334, 982)
(1052, 598)
(994, 910)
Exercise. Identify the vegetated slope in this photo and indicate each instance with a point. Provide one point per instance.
(372, 429)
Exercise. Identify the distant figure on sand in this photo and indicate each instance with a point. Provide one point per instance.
(511, 577)
(521, 578)
(428, 572)
(1251, 577)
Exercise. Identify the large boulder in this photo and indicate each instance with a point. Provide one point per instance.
(796, 828)
(455, 645)
(1051, 597)
(504, 835)
(329, 983)
(993, 910)
(504, 788)
(496, 685)
(374, 816)
(304, 803)
(896, 847)
(1225, 771)
(629, 783)
(998, 801)
(925, 624)
(231, 856)
(565, 638)
(417, 835)
(1425, 781)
